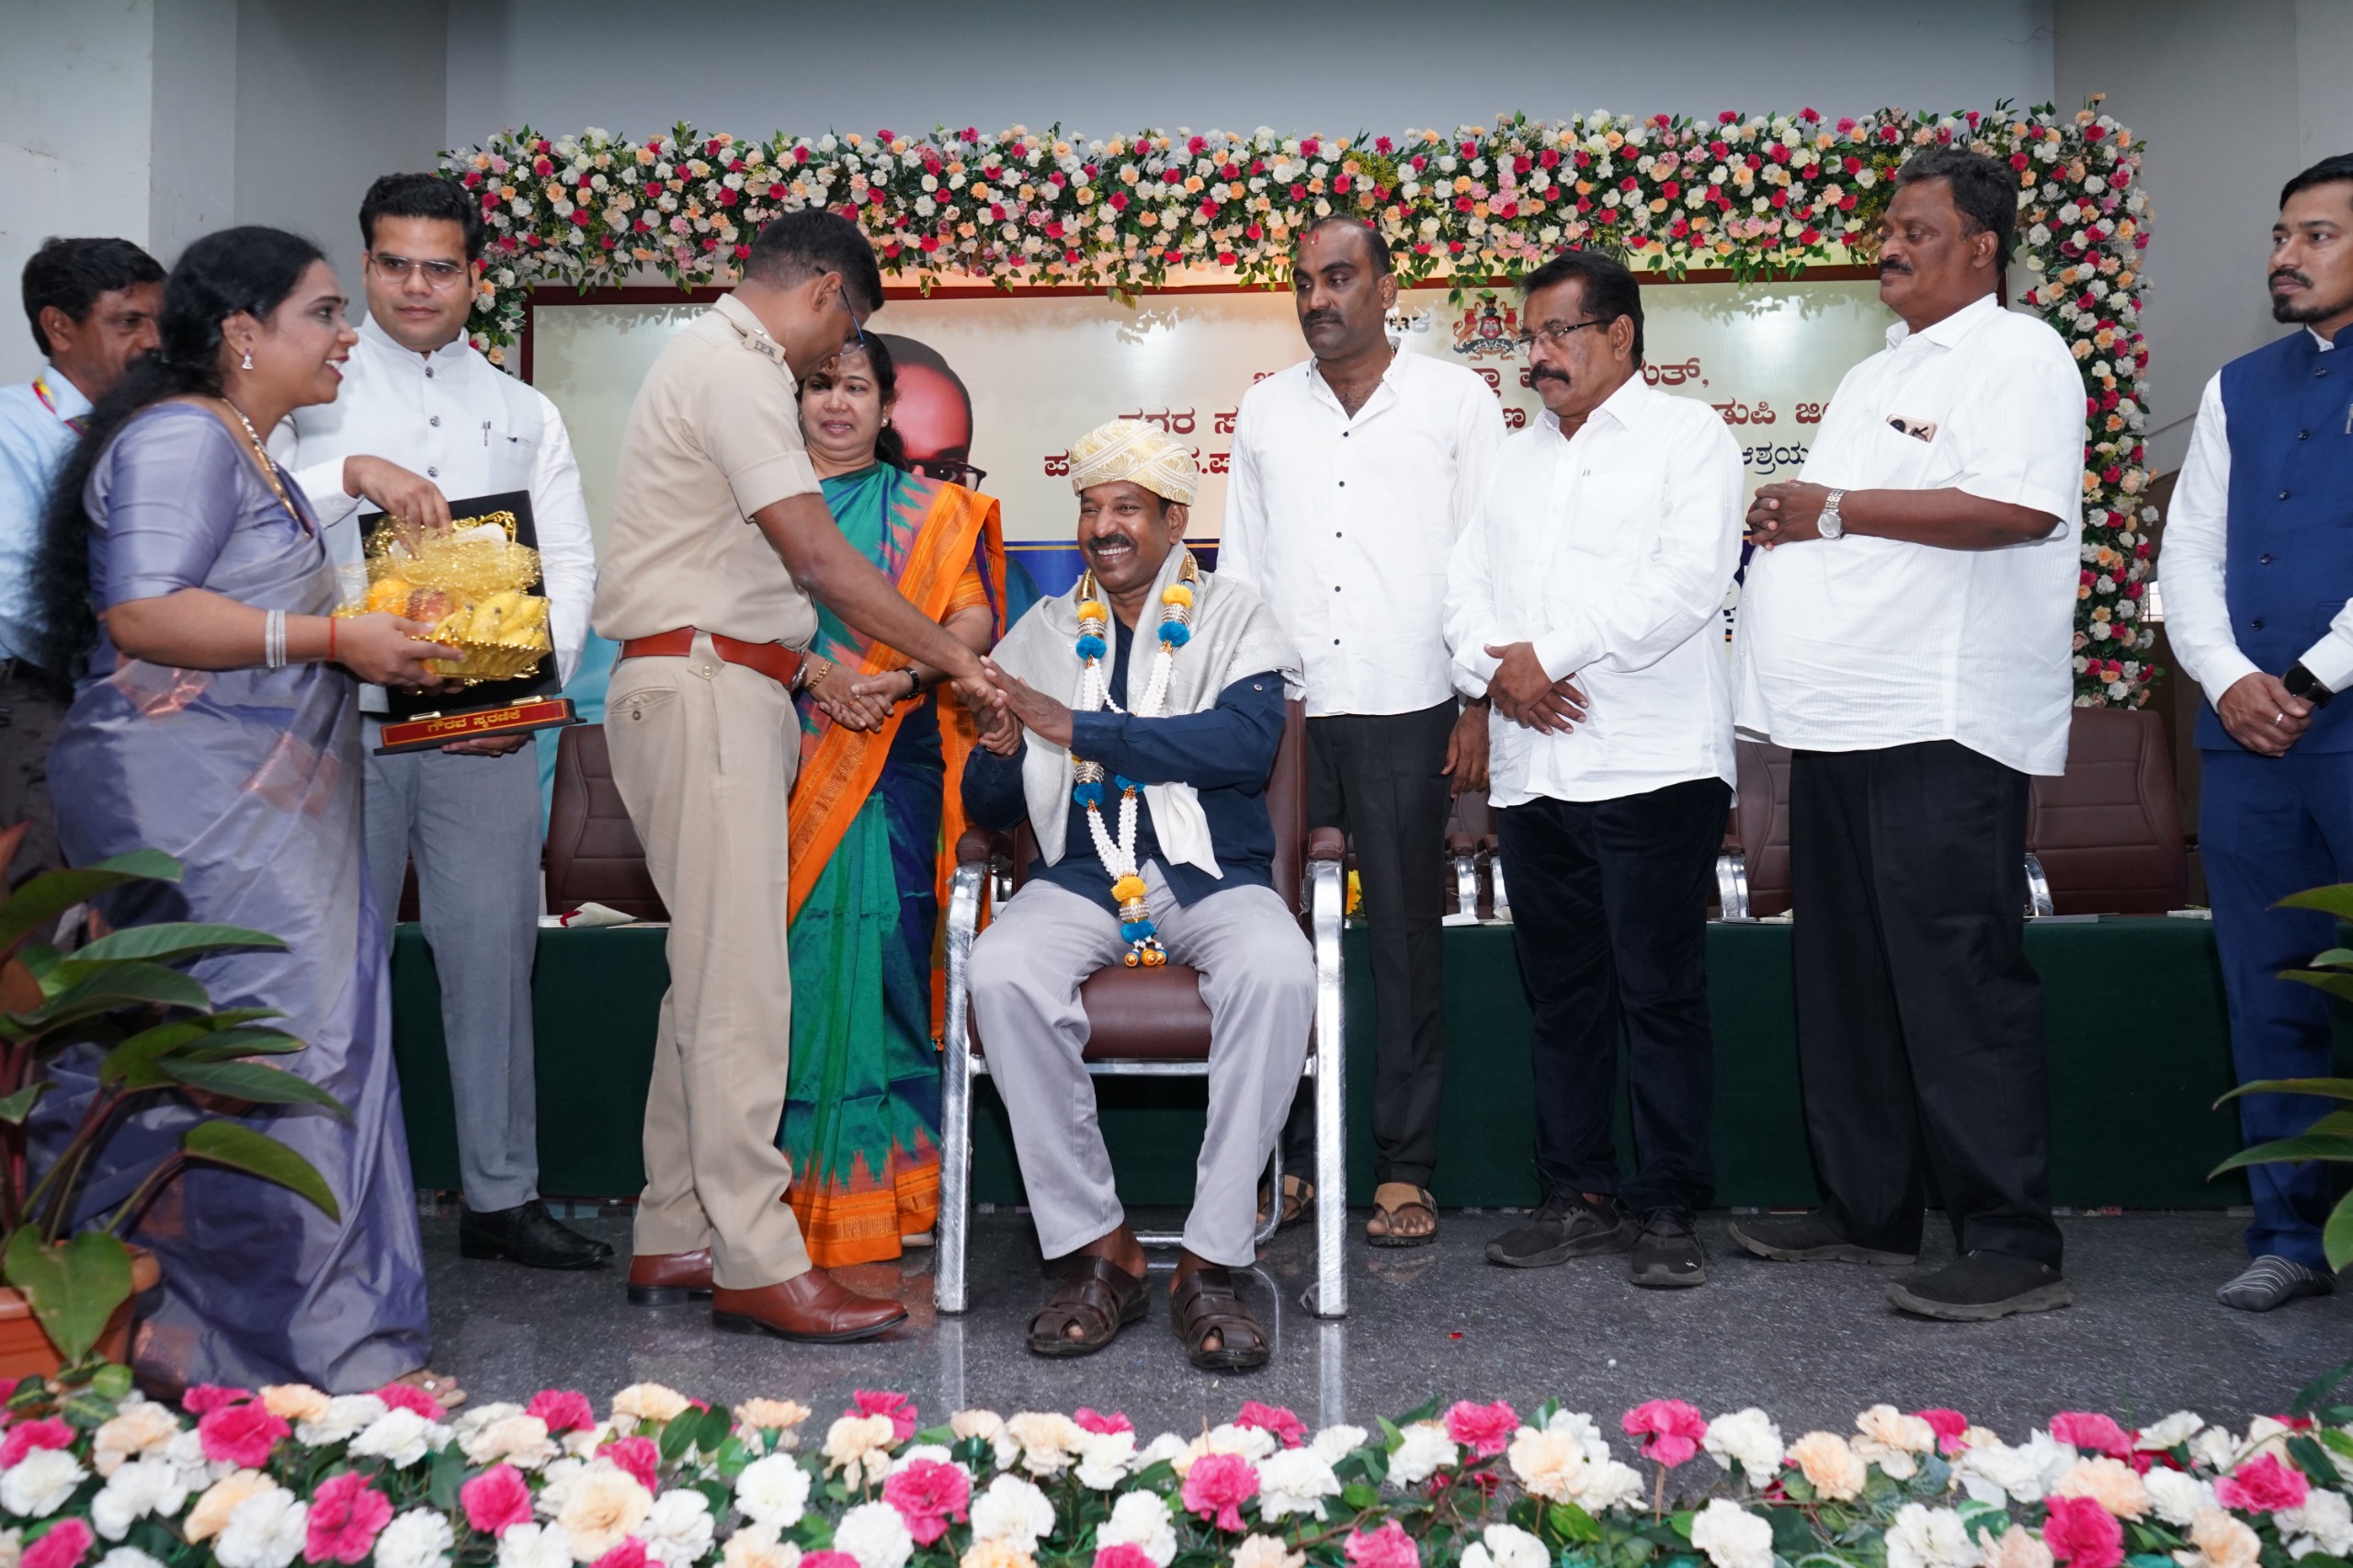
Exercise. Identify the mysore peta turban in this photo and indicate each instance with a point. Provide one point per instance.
(1129, 449)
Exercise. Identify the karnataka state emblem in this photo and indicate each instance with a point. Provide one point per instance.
(1487, 329)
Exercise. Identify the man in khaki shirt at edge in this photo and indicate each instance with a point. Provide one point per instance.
(720, 540)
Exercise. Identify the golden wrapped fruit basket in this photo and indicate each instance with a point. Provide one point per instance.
(472, 588)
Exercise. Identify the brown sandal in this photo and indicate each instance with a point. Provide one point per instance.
(1392, 1199)
(1094, 1295)
(1204, 1304)
(1298, 1194)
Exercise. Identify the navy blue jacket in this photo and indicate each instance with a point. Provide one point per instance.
(1225, 754)
(2288, 563)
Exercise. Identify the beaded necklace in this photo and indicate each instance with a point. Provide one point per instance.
(1119, 853)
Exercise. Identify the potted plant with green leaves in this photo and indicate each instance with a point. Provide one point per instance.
(66, 1307)
(2331, 1138)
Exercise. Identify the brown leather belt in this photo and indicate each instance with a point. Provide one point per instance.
(774, 660)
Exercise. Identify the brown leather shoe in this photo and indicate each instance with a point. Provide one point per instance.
(664, 1278)
(814, 1306)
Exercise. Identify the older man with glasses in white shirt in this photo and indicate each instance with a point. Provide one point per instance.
(1586, 602)
(422, 417)
(1909, 635)
(1353, 474)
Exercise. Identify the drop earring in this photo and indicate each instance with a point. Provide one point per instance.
(248, 362)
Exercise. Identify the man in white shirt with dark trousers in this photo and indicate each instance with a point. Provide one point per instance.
(422, 417)
(1353, 474)
(1585, 601)
(1908, 631)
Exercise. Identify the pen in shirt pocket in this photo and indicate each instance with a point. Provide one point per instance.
(485, 432)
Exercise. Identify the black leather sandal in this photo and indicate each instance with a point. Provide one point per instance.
(1096, 1297)
(1205, 1303)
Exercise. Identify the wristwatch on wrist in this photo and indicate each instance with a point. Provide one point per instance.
(1830, 525)
(2301, 682)
(915, 683)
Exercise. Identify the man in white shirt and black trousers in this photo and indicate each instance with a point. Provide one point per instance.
(1585, 601)
(1353, 474)
(422, 417)
(1908, 633)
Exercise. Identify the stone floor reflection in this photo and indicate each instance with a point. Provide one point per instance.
(1810, 1344)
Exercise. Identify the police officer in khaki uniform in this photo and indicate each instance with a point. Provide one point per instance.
(720, 540)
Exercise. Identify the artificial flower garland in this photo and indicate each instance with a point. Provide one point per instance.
(1756, 195)
(1118, 854)
(265, 1479)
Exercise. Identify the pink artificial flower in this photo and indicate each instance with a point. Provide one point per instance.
(2087, 1429)
(897, 1406)
(1274, 1420)
(829, 1559)
(1949, 1426)
(346, 1515)
(629, 1554)
(206, 1397)
(1388, 1547)
(1123, 1555)
(638, 1456)
(25, 1437)
(563, 1410)
(241, 1435)
(64, 1544)
(928, 1495)
(1217, 1485)
(2263, 1486)
(494, 1501)
(2081, 1534)
(1094, 1421)
(1485, 1429)
(408, 1396)
(1674, 1427)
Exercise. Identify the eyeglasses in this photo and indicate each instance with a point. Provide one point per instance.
(948, 471)
(857, 344)
(1553, 334)
(397, 269)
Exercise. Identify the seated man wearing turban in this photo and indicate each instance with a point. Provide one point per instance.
(1151, 703)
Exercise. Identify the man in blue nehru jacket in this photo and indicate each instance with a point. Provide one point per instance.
(2258, 587)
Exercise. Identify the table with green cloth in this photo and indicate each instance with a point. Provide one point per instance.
(2132, 1010)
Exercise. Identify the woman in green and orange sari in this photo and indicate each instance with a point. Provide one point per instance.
(875, 816)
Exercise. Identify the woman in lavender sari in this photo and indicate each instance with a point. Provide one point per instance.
(185, 581)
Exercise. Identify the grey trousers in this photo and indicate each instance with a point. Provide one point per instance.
(1258, 980)
(471, 823)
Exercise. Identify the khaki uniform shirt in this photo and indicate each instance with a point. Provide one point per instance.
(713, 436)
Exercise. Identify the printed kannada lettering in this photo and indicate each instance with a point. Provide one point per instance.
(1669, 375)
(1771, 459)
(1808, 414)
(1738, 413)
(1170, 421)
(1225, 421)
(1057, 465)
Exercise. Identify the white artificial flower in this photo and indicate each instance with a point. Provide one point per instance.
(1424, 1449)
(1011, 1510)
(1921, 1537)
(1506, 1546)
(679, 1530)
(400, 1436)
(535, 1546)
(38, 1484)
(2179, 1498)
(1580, 1426)
(268, 1530)
(1749, 1439)
(1335, 1443)
(970, 1423)
(1041, 1442)
(1140, 1519)
(420, 1537)
(466, 1426)
(927, 1453)
(772, 1491)
(347, 1416)
(1296, 1480)
(1103, 1458)
(1729, 1535)
(1167, 1449)
(2324, 1524)
(129, 1557)
(1610, 1484)
(141, 1487)
(878, 1538)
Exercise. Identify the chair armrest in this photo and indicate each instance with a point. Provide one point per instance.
(1327, 843)
(1462, 844)
(978, 843)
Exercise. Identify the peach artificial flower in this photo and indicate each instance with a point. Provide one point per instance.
(2111, 1484)
(752, 1547)
(2015, 1549)
(1830, 1466)
(1550, 1464)
(295, 1403)
(999, 1553)
(211, 1512)
(771, 1414)
(648, 1402)
(2222, 1541)
(139, 1429)
(1266, 1552)
(605, 1506)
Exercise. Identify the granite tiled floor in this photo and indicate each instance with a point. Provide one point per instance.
(1812, 1343)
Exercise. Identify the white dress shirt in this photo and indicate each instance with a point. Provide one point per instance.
(1860, 644)
(473, 431)
(1348, 540)
(1610, 552)
(2197, 622)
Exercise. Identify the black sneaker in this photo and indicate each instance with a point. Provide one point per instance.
(530, 1235)
(1667, 1253)
(1564, 1226)
(1808, 1238)
(1981, 1287)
